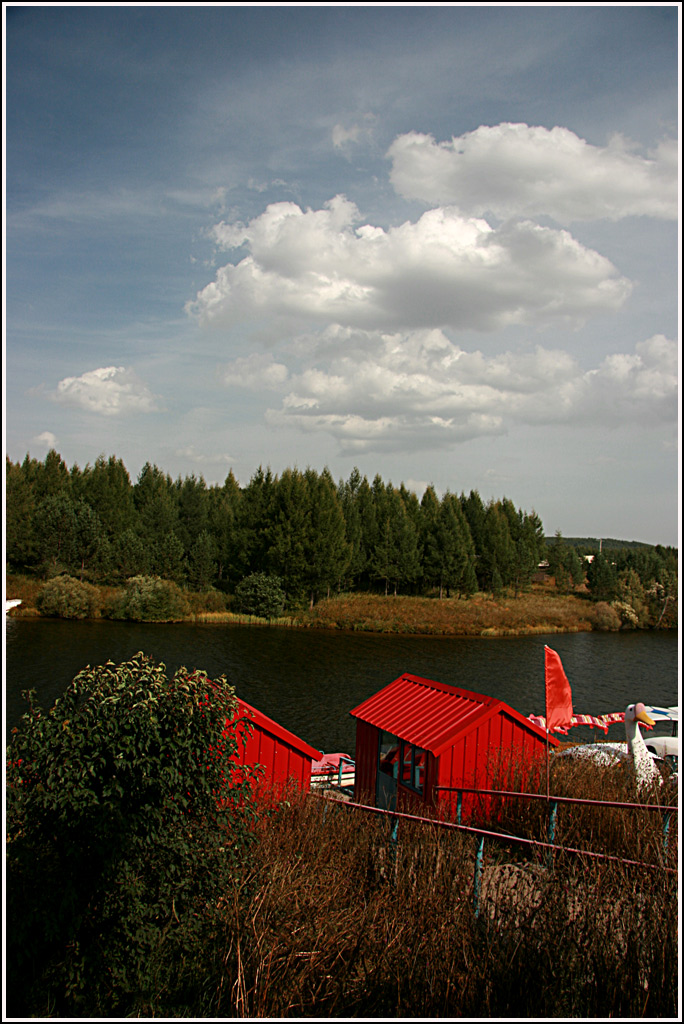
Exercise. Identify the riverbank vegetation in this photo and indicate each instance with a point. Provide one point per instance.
(311, 543)
(133, 891)
(540, 611)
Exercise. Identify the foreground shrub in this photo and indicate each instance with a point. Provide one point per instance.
(67, 598)
(117, 842)
(150, 599)
(261, 595)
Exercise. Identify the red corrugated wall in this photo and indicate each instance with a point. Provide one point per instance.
(285, 759)
(498, 754)
(282, 763)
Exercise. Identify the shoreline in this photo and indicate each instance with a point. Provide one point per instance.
(541, 611)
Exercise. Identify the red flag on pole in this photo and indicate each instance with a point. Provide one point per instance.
(558, 693)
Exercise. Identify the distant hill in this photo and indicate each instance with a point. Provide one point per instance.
(605, 543)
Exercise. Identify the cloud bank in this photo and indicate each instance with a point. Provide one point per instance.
(514, 170)
(421, 391)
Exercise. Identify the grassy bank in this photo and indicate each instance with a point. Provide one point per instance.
(481, 615)
(541, 611)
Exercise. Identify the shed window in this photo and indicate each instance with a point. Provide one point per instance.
(388, 762)
(412, 767)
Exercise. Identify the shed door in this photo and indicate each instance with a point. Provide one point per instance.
(388, 772)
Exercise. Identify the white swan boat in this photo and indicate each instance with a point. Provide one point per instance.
(11, 603)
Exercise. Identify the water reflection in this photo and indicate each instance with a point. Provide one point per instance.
(309, 680)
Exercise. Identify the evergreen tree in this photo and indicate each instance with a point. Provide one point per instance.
(348, 494)
(52, 477)
(461, 575)
(395, 561)
(106, 487)
(369, 528)
(55, 529)
(193, 509)
(156, 504)
(290, 533)
(602, 579)
(498, 553)
(87, 536)
(475, 513)
(558, 558)
(328, 552)
(19, 508)
(430, 539)
(169, 559)
(574, 567)
(202, 562)
(129, 555)
(254, 524)
(223, 518)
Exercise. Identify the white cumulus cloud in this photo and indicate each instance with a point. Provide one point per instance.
(445, 270)
(45, 440)
(520, 170)
(108, 391)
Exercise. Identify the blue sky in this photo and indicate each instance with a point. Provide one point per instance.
(437, 243)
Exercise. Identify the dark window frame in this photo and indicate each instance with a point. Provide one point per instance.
(414, 766)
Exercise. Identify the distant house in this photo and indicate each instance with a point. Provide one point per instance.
(416, 739)
(541, 573)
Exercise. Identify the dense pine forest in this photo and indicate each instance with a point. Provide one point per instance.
(317, 537)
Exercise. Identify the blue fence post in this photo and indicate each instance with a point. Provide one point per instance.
(553, 814)
(479, 860)
(666, 830)
(393, 845)
(459, 806)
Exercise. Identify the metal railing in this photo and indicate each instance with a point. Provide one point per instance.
(481, 834)
(553, 801)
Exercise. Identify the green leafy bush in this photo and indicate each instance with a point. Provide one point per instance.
(67, 598)
(150, 599)
(126, 817)
(261, 595)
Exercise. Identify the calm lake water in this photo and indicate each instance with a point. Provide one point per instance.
(309, 680)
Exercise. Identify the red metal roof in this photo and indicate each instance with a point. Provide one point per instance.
(267, 724)
(433, 715)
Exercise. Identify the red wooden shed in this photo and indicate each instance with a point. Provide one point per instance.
(416, 735)
(285, 758)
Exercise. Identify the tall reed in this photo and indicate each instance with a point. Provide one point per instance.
(332, 918)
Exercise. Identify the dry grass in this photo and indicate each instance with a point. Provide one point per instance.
(26, 588)
(237, 618)
(333, 919)
(538, 612)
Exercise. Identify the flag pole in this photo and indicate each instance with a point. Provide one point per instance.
(546, 727)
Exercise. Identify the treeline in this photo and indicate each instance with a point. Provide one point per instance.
(317, 536)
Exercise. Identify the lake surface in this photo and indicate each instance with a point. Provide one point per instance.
(309, 680)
